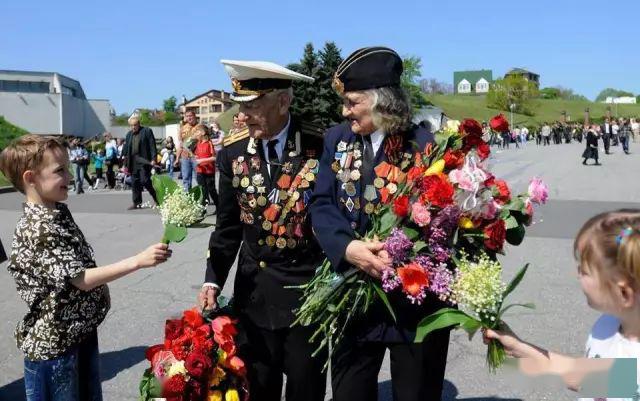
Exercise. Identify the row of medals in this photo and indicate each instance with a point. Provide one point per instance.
(282, 231)
(346, 165)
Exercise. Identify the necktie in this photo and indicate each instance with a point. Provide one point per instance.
(367, 160)
(273, 155)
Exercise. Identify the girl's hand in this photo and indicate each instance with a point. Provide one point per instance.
(512, 344)
(153, 255)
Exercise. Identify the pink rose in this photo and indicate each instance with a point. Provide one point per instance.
(161, 362)
(420, 214)
(538, 191)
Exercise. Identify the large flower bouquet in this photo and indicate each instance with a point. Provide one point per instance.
(197, 361)
(434, 206)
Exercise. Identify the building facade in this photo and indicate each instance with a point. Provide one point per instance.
(472, 82)
(208, 106)
(528, 75)
(49, 103)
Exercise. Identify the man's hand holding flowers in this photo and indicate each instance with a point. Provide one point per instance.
(370, 257)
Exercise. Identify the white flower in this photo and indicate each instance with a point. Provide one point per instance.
(181, 209)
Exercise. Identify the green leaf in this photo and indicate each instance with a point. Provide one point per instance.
(410, 232)
(445, 317)
(516, 204)
(173, 233)
(163, 185)
(197, 192)
(515, 235)
(387, 222)
(149, 386)
(384, 299)
(511, 222)
(504, 213)
(515, 282)
(528, 305)
(418, 246)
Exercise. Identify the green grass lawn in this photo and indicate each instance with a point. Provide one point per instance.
(3, 181)
(459, 107)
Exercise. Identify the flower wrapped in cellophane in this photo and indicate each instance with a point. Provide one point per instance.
(434, 205)
(178, 209)
(197, 361)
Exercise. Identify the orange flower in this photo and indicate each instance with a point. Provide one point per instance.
(413, 278)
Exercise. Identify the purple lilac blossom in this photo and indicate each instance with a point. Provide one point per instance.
(398, 245)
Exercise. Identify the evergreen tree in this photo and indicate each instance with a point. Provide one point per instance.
(410, 81)
(330, 102)
(306, 102)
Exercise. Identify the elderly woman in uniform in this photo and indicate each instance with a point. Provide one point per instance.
(378, 128)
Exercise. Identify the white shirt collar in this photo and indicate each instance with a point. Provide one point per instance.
(376, 140)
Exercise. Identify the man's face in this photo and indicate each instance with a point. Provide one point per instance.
(190, 118)
(266, 115)
(356, 107)
(135, 127)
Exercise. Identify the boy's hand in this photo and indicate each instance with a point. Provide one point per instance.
(207, 297)
(153, 255)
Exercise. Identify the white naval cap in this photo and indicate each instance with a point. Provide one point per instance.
(252, 79)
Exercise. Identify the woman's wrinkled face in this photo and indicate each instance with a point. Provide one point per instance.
(356, 108)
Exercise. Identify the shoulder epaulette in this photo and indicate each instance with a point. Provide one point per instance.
(238, 136)
(313, 129)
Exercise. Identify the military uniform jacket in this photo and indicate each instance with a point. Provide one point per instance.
(265, 217)
(340, 208)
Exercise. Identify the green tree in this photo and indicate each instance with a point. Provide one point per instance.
(611, 92)
(330, 105)
(171, 117)
(513, 90)
(549, 93)
(410, 81)
(169, 105)
(306, 103)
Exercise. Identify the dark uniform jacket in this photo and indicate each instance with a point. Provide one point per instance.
(147, 150)
(266, 219)
(341, 209)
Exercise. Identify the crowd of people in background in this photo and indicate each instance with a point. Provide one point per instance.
(122, 164)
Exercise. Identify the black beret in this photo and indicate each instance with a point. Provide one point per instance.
(368, 68)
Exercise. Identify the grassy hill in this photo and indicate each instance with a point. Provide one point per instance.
(460, 107)
(8, 132)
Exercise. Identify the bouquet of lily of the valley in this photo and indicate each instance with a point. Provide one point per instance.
(179, 209)
(197, 361)
(432, 205)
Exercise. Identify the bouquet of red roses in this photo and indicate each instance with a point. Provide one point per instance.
(197, 361)
(433, 206)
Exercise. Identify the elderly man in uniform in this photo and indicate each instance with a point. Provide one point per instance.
(267, 175)
(378, 128)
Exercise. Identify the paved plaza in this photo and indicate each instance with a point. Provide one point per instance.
(142, 301)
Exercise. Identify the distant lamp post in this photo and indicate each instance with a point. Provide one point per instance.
(564, 116)
(586, 116)
(609, 112)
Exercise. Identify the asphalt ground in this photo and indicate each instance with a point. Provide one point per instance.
(142, 301)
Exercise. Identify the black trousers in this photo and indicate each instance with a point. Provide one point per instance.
(141, 177)
(111, 177)
(606, 138)
(271, 353)
(208, 184)
(417, 369)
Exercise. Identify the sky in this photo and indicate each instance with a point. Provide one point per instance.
(137, 53)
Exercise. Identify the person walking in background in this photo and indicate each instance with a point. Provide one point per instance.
(524, 135)
(545, 132)
(140, 154)
(111, 159)
(120, 147)
(205, 155)
(615, 128)
(591, 151)
(635, 128)
(98, 163)
(168, 155)
(624, 134)
(606, 130)
(184, 152)
(79, 156)
(217, 136)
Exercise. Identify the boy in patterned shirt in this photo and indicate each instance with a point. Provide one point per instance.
(56, 275)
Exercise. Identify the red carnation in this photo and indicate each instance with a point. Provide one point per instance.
(173, 329)
(504, 194)
(495, 234)
(401, 206)
(413, 278)
(237, 365)
(470, 127)
(151, 351)
(499, 123)
(414, 173)
(193, 318)
(453, 158)
(483, 150)
(437, 190)
(197, 364)
(174, 386)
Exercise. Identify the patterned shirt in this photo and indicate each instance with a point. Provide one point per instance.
(49, 250)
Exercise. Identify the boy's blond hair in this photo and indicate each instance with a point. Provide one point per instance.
(26, 153)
